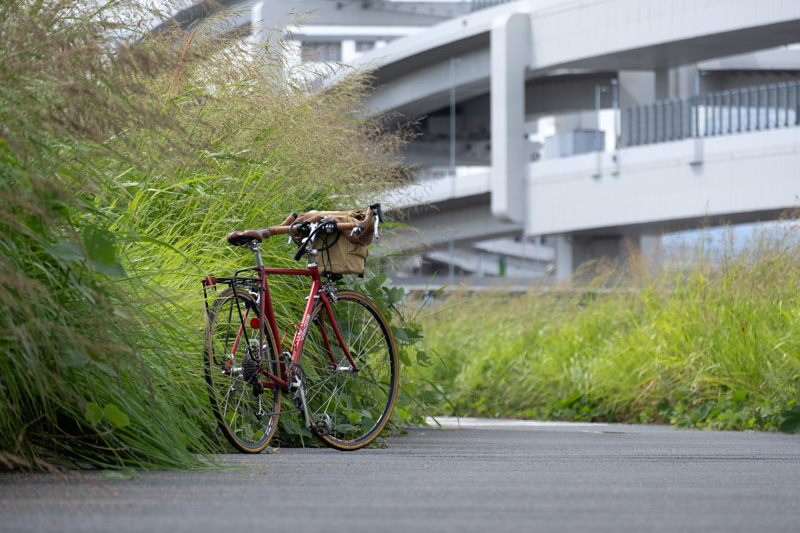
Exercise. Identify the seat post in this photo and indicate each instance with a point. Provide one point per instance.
(255, 246)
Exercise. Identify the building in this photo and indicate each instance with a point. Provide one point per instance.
(553, 131)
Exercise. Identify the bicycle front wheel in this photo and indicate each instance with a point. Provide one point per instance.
(350, 404)
(238, 351)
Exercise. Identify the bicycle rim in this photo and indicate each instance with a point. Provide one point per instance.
(352, 408)
(246, 415)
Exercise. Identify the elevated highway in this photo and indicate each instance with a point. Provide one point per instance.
(570, 36)
(481, 84)
(499, 69)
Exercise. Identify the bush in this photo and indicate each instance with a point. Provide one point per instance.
(125, 158)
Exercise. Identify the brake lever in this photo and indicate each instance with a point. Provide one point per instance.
(376, 208)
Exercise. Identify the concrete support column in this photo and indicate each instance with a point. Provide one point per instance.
(662, 84)
(510, 45)
(636, 87)
(349, 51)
(685, 81)
(649, 247)
(648, 244)
(564, 257)
(676, 83)
(572, 252)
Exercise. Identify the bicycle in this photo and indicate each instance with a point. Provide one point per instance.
(341, 371)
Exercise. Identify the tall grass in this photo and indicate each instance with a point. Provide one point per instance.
(708, 339)
(125, 158)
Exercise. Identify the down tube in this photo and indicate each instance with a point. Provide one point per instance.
(300, 338)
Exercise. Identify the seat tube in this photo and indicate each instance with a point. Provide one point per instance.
(257, 253)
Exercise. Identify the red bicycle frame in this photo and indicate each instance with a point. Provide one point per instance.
(267, 311)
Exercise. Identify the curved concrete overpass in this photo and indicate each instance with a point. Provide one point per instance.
(413, 74)
(505, 67)
(530, 57)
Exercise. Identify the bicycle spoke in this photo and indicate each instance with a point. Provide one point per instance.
(357, 403)
(247, 418)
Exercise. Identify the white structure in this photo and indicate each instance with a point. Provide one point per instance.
(518, 62)
(576, 124)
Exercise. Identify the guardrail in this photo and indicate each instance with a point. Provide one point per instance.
(476, 5)
(764, 107)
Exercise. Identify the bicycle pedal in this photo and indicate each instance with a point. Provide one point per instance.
(321, 428)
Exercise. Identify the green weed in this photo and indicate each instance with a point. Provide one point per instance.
(707, 340)
(125, 159)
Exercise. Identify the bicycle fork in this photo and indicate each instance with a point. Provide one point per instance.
(320, 427)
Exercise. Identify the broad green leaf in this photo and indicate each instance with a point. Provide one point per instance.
(290, 426)
(101, 247)
(108, 369)
(377, 281)
(66, 251)
(93, 413)
(429, 397)
(112, 271)
(118, 418)
(791, 420)
(399, 334)
(74, 358)
(396, 294)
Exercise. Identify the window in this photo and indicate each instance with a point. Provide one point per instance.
(364, 46)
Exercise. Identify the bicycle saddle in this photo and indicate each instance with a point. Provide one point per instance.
(243, 238)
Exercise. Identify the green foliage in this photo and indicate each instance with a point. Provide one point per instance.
(407, 332)
(791, 419)
(708, 340)
(125, 158)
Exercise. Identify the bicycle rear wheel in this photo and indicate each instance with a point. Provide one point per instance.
(349, 408)
(246, 410)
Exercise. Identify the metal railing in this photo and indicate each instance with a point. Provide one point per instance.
(476, 5)
(764, 107)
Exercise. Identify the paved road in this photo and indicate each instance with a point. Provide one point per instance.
(486, 477)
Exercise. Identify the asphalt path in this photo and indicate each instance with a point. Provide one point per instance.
(485, 476)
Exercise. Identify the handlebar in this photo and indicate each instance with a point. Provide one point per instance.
(290, 225)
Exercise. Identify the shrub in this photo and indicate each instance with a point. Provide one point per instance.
(125, 158)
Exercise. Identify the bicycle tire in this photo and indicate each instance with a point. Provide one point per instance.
(354, 406)
(248, 419)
